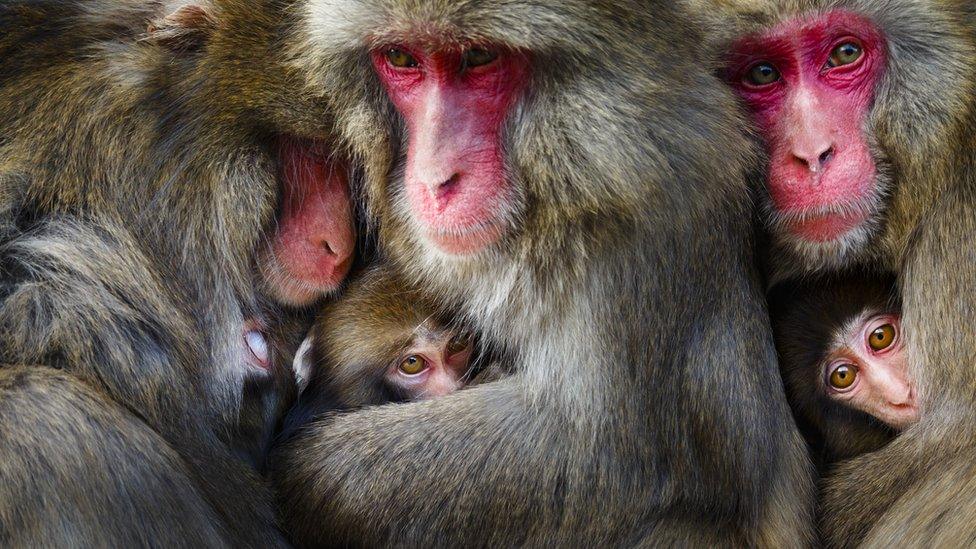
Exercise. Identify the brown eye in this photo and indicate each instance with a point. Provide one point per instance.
(413, 365)
(882, 337)
(762, 74)
(476, 57)
(844, 54)
(843, 376)
(400, 58)
(458, 343)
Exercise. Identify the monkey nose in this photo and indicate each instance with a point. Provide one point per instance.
(441, 189)
(814, 158)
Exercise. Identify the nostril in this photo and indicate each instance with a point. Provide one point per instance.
(451, 181)
(826, 155)
(328, 249)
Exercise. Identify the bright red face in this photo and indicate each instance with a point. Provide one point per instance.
(454, 104)
(810, 86)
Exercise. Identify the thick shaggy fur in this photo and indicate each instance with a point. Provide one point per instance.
(137, 180)
(924, 125)
(646, 405)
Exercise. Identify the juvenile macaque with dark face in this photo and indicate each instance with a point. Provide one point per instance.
(844, 362)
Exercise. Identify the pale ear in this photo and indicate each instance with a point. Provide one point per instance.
(185, 25)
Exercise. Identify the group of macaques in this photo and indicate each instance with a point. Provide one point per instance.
(840, 342)
(487, 272)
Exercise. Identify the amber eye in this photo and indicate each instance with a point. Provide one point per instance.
(843, 376)
(458, 343)
(844, 54)
(476, 57)
(413, 365)
(882, 337)
(400, 58)
(762, 74)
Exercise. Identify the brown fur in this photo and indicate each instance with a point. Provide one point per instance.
(645, 405)
(137, 183)
(923, 125)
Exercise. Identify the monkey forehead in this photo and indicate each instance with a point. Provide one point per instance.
(354, 24)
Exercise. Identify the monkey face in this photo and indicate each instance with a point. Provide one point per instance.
(810, 84)
(867, 371)
(434, 364)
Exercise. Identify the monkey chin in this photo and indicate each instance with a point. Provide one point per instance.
(467, 241)
(822, 239)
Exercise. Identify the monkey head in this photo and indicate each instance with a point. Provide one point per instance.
(832, 93)
(844, 362)
(866, 369)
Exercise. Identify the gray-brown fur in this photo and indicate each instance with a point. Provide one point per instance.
(137, 183)
(807, 316)
(923, 127)
(645, 406)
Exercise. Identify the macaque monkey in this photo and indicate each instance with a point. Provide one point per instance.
(166, 179)
(868, 114)
(383, 341)
(844, 361)
(574, 189)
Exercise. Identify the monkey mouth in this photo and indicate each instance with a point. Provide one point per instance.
(466, 240)
(826, 223)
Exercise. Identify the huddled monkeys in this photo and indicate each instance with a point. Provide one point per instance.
(868, 114)
(177, 184)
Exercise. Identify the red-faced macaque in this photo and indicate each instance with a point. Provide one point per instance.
(845, 364)
(570, 178)
(867, 113)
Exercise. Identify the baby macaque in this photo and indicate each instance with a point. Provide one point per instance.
(844, 364)
(384, 341)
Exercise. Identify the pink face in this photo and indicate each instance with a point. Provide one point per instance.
(867, 371)
(810, 85)
(313, 249)
(454, 103)
(434, 365)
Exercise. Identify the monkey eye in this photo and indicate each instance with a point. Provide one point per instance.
(413, 365)
(400, 59)
(881, 337)
(458, 343)
(842, 376)
(476, 57)
(844, 54)
(762, 74)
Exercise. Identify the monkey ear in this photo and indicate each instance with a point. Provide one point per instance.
(186, 25)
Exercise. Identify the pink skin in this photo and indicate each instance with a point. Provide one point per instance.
(821, 172)
(881, 386)
(455, 178)
(256, 349)
(443, 375)
(313, 248)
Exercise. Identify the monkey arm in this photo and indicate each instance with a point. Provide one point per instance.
(521, 460)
